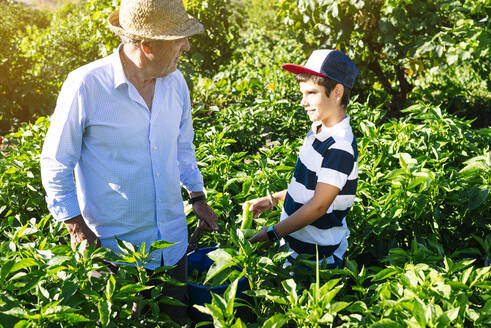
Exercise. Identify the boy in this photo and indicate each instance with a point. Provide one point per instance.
(323, 186)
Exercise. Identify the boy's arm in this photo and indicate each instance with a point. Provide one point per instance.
(323, 197)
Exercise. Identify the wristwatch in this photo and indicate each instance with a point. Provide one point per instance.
(196, 199)
(272, 235)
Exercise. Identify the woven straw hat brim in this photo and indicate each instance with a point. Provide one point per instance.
(190, 27)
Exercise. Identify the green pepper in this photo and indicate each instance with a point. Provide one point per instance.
(246, 216)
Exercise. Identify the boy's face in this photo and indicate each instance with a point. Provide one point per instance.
(320, 107)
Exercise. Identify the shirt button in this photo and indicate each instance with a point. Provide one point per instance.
(154, 147)
(160, 201)
(158, 174)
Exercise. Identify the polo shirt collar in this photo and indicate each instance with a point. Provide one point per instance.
(334, 130)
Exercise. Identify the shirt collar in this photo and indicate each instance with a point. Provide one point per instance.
(119, 77)
(331, 131)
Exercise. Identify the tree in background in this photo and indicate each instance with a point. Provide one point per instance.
(215, 46)
(394, 42)
(41, 50)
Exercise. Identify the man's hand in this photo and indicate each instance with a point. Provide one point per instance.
(80, 231)
(207, 217)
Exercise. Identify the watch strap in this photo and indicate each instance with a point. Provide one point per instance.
(272, 235)
(195, 199)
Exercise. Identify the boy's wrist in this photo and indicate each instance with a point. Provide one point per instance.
(272, 235)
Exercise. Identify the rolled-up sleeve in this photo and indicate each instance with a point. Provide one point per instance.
(61, 151)
(190, 175)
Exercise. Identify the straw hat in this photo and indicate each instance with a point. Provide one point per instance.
(153, 20)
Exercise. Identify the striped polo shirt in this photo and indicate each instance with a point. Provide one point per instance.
(331, 157)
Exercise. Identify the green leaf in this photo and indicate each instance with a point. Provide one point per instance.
(291, 288)
(132, 289)
(358, 307)
(204, 324)
(17, 312)
(238, 324)
(104, 312)
(170, 301)
(474, 166)
(30, 284)
(5, 270)
(327, 318)
(338, 306)
(477, 196)
(328, 296)
(384, 274)
(110, 286)
(58, 260)
(276, 321)
(11, 170)
(23, 324)
(203, 309)
(160, 244)
(419, 311)
(73, 318)
(405, 160)
(386, 323)
(411, 279)
(24, 263)
(222, 260)
(448, 316)
(126, 247)
(229, 296)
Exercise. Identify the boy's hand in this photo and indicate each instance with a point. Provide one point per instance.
(260, 205)
(261, 236)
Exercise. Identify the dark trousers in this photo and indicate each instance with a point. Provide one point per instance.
(180, 273)
(175, 312)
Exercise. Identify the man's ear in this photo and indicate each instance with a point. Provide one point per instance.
(145, 47)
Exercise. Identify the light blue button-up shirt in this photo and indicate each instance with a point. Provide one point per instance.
(129, 162)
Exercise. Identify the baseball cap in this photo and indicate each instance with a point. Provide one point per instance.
(333, 64)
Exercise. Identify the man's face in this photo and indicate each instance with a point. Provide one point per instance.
(164, 55)
(319, 107)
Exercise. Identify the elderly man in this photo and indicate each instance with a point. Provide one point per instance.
(123, 125)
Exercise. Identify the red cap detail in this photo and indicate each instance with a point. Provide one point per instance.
(297, 69)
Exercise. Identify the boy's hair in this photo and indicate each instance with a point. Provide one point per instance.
(327, 83)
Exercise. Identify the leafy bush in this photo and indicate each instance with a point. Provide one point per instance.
(19, 92)
(77, 35)
(419, 177)
(21, 192)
